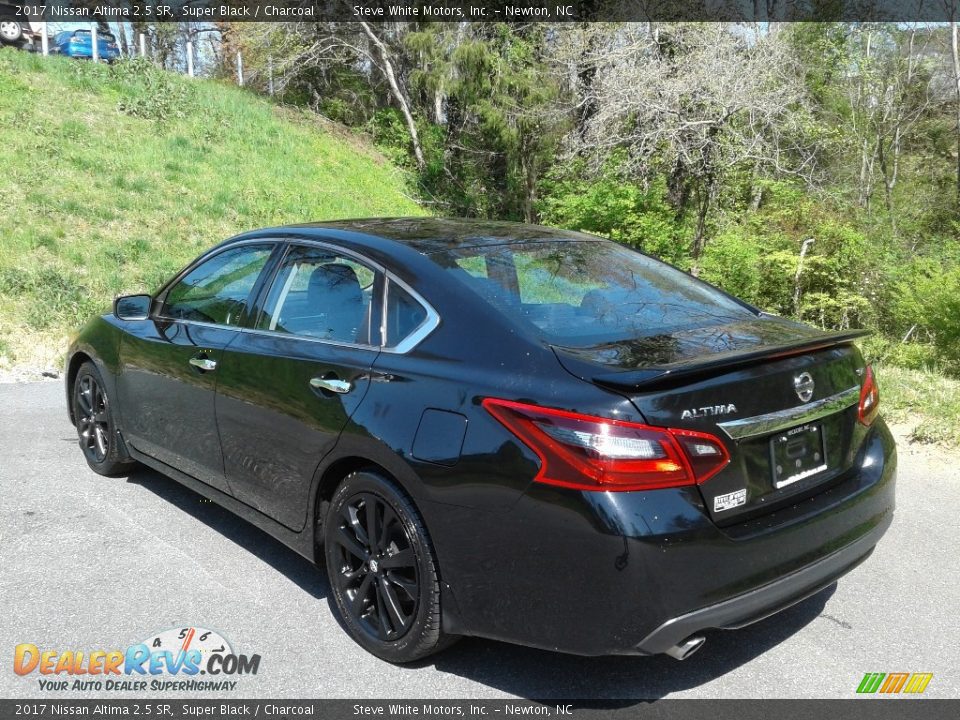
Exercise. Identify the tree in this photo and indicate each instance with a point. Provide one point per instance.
(399, 94)
(308, 55)
(694, 101)
(955, 54)
(505, 122)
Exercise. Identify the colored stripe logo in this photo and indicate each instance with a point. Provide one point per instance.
(894, 683)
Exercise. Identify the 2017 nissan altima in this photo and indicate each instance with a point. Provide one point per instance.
(498, 430)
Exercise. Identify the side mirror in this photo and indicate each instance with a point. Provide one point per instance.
(132, 307)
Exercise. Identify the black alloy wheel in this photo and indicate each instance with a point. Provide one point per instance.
(382, 569)
(93, 423)
(95, 427)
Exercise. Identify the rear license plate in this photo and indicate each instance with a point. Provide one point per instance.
(797, 454)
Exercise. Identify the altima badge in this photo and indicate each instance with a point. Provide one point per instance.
(708, 411)
(803, 384)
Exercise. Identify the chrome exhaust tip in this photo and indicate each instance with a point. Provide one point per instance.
(683, 650)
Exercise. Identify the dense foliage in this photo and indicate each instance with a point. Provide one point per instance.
(810, 168)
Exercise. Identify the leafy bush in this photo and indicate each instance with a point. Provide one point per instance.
(926, 303)
(910, 355)
(733, 262)
(620, 210)
(150, 92)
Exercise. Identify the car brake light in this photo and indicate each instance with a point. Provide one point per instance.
(593, 453)
(869, 398)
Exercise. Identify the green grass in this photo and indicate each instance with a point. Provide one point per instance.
(114, 177)
(926, 401)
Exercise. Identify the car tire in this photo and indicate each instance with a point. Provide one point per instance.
(11, 32)
(385, 587)
(96, 429)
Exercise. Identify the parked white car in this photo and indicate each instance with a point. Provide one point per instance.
(15, 30)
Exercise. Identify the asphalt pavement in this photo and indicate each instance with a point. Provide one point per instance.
(92, 563)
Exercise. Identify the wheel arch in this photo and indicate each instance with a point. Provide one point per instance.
(392, 466)
(73, 367)
(354, 456)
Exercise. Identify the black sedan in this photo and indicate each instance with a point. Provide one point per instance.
(498, 430)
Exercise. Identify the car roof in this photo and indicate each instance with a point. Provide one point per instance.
(432, 234)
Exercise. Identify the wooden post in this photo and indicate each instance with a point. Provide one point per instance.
(94, 42)
(239, 69)
(143, 45)
(270, 74)
(44, 40)
(190, 58)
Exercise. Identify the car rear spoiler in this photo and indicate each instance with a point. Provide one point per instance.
(663, 376)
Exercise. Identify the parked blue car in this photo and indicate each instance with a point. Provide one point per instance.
(79, 44)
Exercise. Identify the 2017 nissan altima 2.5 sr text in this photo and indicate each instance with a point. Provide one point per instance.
(498, 430)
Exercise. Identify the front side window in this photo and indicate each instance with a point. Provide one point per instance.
(581, 293)
(320, 294)
(217, 290)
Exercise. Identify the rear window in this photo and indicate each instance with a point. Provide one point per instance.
(585, 293)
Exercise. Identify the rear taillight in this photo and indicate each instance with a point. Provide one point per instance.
(593, 453)
(869, 398)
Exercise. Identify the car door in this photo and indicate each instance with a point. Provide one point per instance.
(170, 362)
(289, 384)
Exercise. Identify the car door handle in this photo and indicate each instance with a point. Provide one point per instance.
(204, 363)
(332, 384)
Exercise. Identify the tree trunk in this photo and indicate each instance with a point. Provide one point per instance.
(704, 202)
(398, 95)
(438, 98)
(889, 181)
(756, 198)
(796, 278)
(866, 162)
(956, 82)
(528, 168)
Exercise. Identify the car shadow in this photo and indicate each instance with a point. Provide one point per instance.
(616, 681)
(246, 535)
(621, 680)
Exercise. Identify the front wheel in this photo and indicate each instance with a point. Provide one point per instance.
(96, 430)
(382, 569)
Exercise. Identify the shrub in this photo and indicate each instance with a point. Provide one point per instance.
(151, 93)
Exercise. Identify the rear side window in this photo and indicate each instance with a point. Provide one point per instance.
(404, 315)
(319, 294)
(218, 289)
(584, 293)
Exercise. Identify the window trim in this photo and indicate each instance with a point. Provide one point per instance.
(160, 299)
(282, 246)
(290, 244)
(387, 277)
(420, 332)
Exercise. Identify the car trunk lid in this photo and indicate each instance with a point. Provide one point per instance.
(781, 396)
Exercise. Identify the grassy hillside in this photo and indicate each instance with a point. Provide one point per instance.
(114, 177)
(925, 401)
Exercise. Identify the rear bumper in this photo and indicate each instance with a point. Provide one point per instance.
(755, 605)
(636, 573)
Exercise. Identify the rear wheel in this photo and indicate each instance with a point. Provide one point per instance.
(10, 31)
(96, 430)
(382, 569)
